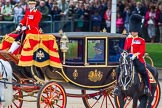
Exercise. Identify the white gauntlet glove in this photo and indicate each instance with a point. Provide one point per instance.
(23, 28)
(18, 28)
(133, 56)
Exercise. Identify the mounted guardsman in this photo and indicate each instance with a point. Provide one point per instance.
(28, 25)
(135, 45)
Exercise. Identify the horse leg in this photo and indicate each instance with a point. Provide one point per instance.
(122, 101)
(135, 102)
(143, 101)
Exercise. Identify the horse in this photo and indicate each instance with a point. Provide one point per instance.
(130, 84)
(6, 89)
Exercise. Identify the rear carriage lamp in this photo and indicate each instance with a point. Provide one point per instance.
(64, 45)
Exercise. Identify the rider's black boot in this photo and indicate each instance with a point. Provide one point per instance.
(147, 91)
(116, 91)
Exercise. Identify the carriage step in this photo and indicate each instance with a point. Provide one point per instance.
(27, 81)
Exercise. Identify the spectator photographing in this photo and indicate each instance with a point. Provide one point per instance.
(18, 12)
(6, 11)
(43, 9)
(151, 20)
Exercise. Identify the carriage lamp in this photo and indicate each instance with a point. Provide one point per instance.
(64, 45)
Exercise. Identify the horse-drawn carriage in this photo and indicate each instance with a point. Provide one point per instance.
(49, 64)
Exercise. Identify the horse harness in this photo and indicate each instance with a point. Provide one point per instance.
(4, 72)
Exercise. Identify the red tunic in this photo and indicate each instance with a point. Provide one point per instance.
(136, 45)
(31, 20)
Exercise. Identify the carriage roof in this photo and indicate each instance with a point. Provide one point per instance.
(90, 34)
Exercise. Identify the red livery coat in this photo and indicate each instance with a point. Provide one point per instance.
(31, 20)
(136, 45)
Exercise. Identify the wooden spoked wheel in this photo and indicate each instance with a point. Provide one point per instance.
(51, 95)
(17, 98)
(156, 96)
(155, 100)
(100, 99)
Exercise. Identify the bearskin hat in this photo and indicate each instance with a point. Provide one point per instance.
(135, 23)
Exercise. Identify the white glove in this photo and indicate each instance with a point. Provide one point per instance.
(133, 56)
(23, 28)
(18, 28)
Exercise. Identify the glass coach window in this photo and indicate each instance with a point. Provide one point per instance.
(96, 51)
(75, 51)
(114, 47)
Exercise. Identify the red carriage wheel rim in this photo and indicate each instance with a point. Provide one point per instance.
(156, 96)
(51, 89)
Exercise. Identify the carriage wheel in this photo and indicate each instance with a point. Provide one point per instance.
(157, 95)
(17, 98)
(100, 99)
(51, 95)
(155, 102)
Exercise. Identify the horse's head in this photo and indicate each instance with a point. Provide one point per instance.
(126, 67)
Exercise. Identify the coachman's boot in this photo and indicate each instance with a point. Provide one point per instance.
(147, 91)
(13, 47)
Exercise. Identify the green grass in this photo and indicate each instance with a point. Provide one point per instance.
(155, 52)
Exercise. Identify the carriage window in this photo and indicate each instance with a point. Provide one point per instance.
(113, 51)
(96, 51)
(75, 51)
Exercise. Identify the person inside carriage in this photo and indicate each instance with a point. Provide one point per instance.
(29, 24)
(135, 46)
(99, 51)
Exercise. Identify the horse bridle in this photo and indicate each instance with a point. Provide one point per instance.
(128, 73)
(4, 72)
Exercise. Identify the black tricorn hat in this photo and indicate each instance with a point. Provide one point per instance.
(135, 23)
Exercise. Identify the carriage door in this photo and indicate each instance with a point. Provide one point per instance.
(95, 52)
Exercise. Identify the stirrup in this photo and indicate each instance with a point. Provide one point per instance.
(147, 91)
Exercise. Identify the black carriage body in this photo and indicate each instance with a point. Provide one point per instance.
(82, 68)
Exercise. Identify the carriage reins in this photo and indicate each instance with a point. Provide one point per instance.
(18, 84)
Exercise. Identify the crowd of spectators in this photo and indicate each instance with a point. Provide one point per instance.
(94, 12)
